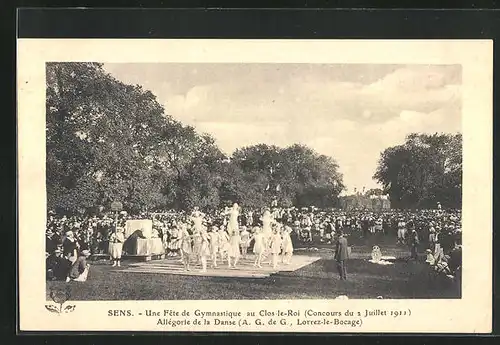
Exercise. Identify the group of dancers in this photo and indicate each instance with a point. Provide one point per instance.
(230, 242)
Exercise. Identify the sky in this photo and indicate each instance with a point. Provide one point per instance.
(351, 112)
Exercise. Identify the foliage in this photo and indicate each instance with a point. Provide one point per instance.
(110, 141)
(295, 175)
(425, 170)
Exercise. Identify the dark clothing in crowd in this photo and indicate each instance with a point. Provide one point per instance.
(57, 267)
(69, 247)
(414, 242)
(130, 244)
(50, 245)
(455, 260)
(78, 267)
(341, 256)
(83, 245)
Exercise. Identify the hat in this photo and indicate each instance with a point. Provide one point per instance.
(69, 232)
(86, 252)
(58, 250)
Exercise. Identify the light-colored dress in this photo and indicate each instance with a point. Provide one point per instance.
(197, 240)
(234, 246)
(214, 242)
(174, 244)
(376, 255)
(287, 243)
(266, 224)
(197, 219)
(276, 244)
(233, 221)
(186, 242)
(245, 239)
(223, 241)
(205, 245)
(258, 246)
(116, 245)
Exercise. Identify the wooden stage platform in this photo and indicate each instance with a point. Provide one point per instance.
(244, 269)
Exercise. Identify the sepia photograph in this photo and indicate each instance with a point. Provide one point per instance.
(258, 185)
(253, 181)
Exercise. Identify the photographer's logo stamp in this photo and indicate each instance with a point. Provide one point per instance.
(60, 297)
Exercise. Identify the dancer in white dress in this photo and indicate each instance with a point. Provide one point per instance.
(258, 246)
(245, 241)
(233, 253)
(182, 232)
(223, 244)
(233, 219)
(204, 249)
(287, 246)
(197, 219)
(186, 247)
(275, 244)
(214, 239)
(197, 241)
(266, 223)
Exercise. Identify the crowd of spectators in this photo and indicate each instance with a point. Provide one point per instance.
(437, 233)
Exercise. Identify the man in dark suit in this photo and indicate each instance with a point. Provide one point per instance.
(341, 255)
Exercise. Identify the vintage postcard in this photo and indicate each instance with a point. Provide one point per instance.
(255, 185)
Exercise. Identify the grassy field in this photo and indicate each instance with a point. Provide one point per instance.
(404, 279)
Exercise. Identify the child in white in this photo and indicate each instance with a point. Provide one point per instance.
(204, 249)
(275, 244)
(245, 241)
(266, 224)
(214, 240)
(287, 246)
(233, 219)
(376, 254)
(233, 253)
(186, 247)
(223, 244)
(258, 247)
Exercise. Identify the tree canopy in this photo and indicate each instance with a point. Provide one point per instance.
(425, 170)
(108, 141)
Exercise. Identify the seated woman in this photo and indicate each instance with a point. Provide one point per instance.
(80, 269)
(442, 266)
(376, 254)
(430, 258)
(57, 266)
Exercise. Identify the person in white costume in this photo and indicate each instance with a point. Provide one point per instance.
(287, 246)
(204, 249)
(245, 241)
(258, 246)
(197, 219)
(223, 244)
(233, 219)
(214, 240)
(266, 224)
(233, 253)
(275, 246)
(376, 254)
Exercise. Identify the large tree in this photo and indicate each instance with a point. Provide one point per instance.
(108, 141)
(296, 175)
(423, 171)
